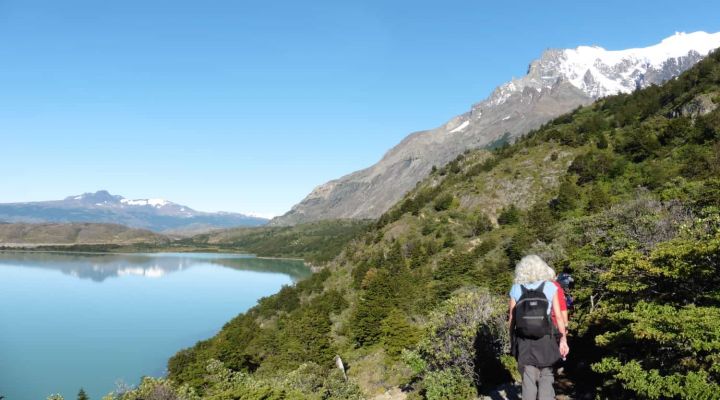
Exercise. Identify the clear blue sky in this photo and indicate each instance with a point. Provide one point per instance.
(248, 105)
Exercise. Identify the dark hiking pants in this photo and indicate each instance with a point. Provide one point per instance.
(537, 383)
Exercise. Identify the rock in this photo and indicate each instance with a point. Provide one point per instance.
(392, 394)
(700, 105)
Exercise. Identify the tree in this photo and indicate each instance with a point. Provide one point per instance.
(372, 308)
(568, 196)
(602, 142)
(668, 301)
(398, 333)
(598, 198)
(509, 215)
(81, 395)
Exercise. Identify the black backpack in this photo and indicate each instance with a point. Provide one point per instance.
(531, 317)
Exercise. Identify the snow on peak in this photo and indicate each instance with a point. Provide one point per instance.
(601, 72)
(261, 215)
(146, 202)
(461, 127)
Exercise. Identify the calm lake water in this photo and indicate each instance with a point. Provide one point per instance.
(92, 320)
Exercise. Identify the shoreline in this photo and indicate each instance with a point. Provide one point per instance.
(122, 249)
(19, 249)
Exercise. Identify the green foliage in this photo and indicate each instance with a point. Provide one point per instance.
(384, 288)
(307, 382)
(449, 384)
(484, 166)
(315, 242)
(684, 271)
(598, 198)
(602, 142)
(299, 334)
(509, 215)
(398, 333)
(154, 389)
(480, 223)
(667, 301)
(597, 164)
(465, 335)
(568, 196)
(540, 221)
(443, 202)
(82, 395)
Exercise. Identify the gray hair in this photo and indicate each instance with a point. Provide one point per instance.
(532, 269)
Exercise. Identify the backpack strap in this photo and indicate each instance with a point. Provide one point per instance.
(541, 287)
(523, 290)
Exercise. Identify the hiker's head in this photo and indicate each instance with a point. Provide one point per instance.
(565, 280)
(532, 269)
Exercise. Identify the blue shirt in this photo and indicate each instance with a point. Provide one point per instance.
(549, 290)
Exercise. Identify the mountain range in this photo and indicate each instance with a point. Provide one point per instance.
(623, 194)
(557, 82)
(158, 215)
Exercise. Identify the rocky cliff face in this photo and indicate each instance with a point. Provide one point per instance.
(556, 83)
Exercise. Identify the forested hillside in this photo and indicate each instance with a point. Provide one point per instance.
(315, 242)
(624, 194)
(47, 234)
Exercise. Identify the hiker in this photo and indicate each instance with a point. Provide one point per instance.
(532, 297)
(562, 298)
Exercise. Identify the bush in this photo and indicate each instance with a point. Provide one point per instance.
(668, 301)
(448, 384)
(444, 202)
(509, 215)
(479, 224)
(466, 335)
(398, 333)
(568, 196)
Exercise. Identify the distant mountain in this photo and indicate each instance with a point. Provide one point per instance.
(558, 82)
(102, 207)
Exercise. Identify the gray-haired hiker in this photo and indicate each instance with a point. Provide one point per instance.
(532, 298)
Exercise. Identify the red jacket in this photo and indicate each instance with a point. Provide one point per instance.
(563, 302)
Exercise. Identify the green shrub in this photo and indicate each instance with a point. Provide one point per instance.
(465, 335)
(479, 224)
(443, 202)
(449, 384)
(398, 333)
(509, 215)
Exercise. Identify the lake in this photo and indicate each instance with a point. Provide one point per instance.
(71, 320)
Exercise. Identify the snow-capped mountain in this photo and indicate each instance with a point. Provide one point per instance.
(556, 83)
(598, 72)
(155, 214)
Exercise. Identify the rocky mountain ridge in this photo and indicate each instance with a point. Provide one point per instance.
(557, 82)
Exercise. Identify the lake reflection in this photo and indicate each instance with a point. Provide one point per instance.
(72, 320)
(100, 266)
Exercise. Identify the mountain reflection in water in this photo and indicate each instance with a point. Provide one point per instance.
(101, 266)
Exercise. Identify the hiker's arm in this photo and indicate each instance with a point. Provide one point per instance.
(562, 328)
(565, 318)
(512, 308)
